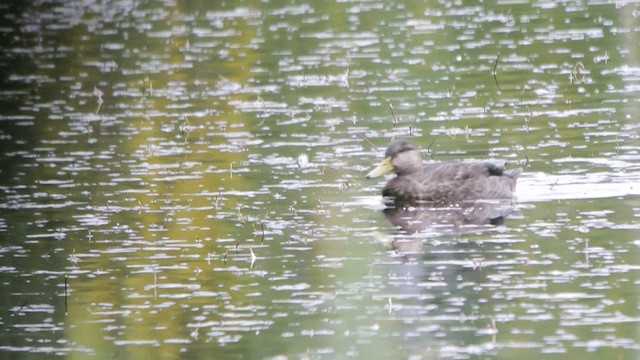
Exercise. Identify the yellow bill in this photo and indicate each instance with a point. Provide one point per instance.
(385, 167)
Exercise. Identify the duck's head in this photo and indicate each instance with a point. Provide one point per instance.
(401, 157)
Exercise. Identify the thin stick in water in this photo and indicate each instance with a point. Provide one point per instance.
(495, 72)
(429, 148)
(366, 139)
(66, 295)
(98, 93)
(393, 115)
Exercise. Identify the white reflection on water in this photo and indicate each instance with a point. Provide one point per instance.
(534, 187)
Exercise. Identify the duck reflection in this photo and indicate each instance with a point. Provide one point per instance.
(416, 223)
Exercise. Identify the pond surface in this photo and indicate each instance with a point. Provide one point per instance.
(185, 179)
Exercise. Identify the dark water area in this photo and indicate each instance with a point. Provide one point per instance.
(186, 179)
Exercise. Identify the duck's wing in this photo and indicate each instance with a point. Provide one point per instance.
(457, 171)
(496, 183)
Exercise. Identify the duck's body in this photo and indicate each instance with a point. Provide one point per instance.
(442, 184)
(452, 183)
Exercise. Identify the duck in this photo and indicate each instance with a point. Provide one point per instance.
(445, 184)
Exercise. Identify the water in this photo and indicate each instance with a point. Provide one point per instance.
(186, 179)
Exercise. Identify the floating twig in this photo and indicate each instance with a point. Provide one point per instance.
(494, 329)
(66, 295)
(185, 130)
(345, 77)
(393, 115)
(579, 70)
(326, 212)
(98, 93)
(495, 72)
(429, 148)
(263, 114)
(366, 139)
(240, 216)
(218, 198)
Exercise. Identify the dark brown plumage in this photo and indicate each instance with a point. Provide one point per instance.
(441, 184)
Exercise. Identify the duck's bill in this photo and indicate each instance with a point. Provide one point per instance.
(385, 167)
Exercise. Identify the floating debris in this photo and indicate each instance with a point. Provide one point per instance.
(98, 93)
(495, 71)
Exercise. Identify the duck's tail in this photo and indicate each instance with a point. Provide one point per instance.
(514, 174)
